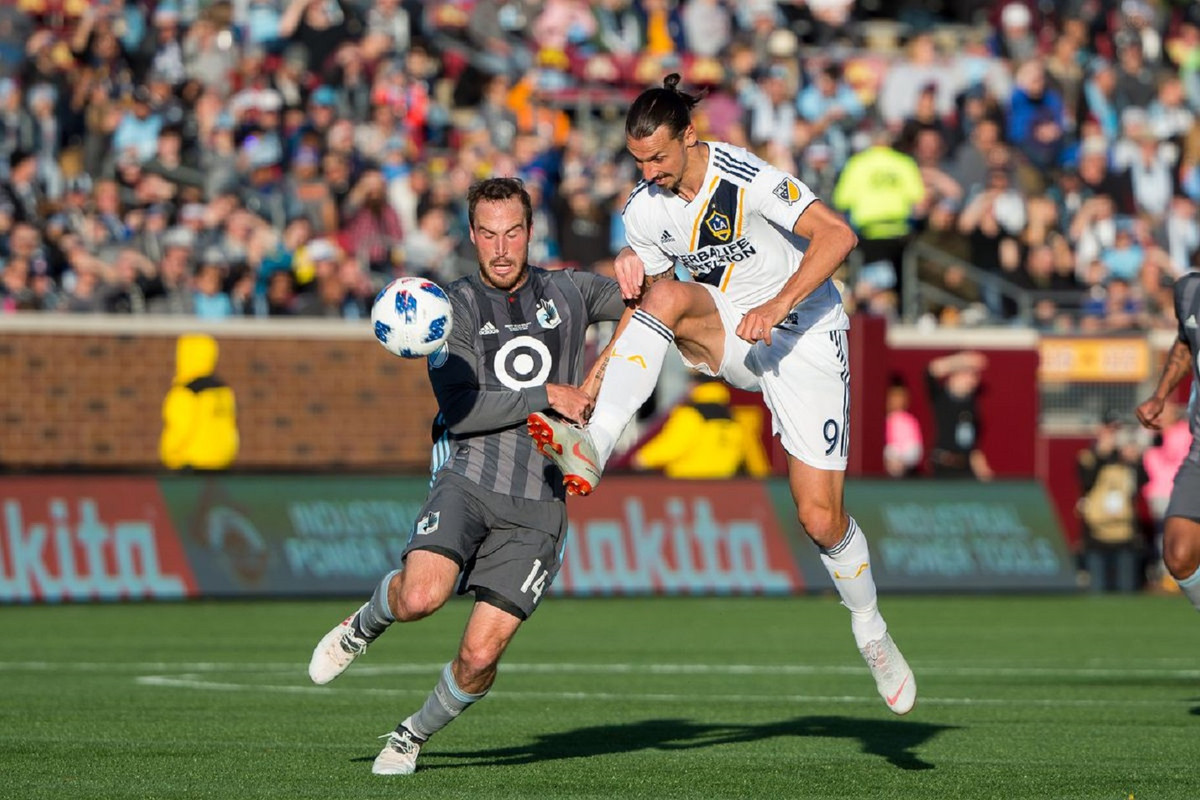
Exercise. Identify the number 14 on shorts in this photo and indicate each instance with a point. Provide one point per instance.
(535, 582)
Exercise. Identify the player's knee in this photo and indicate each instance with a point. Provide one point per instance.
(825, 525)
(1181, 551)
(414, 602)
(665, 302)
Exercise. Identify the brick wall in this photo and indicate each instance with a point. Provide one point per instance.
(93, 399)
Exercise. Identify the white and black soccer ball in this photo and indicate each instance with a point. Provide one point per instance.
(412, 317)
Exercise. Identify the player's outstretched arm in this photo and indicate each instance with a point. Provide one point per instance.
(1177, 365)
(830, 241)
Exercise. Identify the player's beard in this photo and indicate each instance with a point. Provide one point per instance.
(517, 268)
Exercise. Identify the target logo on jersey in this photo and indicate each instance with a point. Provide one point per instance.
(522, 362)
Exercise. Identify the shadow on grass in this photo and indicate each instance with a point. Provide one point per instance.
(894, 740)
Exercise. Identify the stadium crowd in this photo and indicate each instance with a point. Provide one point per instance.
(1041, 161)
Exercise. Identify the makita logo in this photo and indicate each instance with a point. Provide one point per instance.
(689, 549)
(70, 553)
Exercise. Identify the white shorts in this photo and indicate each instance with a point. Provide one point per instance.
(805, 382)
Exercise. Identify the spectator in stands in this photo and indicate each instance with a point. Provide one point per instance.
(22, 192)
(953, 383)
(907, 78)
(15, 291)
(170, 292)
(176, 104)
(707, 27)
(279, 300)
(429, 248)
(1135, 83)
(321, 26)
(211, 301)
(1065, 72)
(970, 163)
(372, 228)
(1100, 97)
(1110, 478)
(831, 110)
(1160, 462)
(1181, 234)
(881, 190)
(994, 220)
(904, 446)
(124, 293)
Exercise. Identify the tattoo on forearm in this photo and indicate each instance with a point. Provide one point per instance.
(1178, 365)
(598, 375)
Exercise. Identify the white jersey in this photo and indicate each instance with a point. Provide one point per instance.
(735, 235)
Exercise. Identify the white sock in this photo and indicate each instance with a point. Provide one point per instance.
(1190, 586)
(629, 379)
(849, 565)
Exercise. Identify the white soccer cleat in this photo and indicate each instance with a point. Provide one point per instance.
(893, 678)
(336, 650)
(399, 755)
(570, 447)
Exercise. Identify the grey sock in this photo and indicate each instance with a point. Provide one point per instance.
(376, 616)
(443, 704)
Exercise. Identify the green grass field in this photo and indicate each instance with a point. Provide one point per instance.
(1021, 697)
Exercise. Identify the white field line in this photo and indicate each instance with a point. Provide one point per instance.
(199, 682)
(516, 668)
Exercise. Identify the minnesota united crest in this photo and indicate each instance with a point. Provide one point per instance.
(547, 314)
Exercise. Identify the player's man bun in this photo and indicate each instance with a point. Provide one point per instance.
(656, 107)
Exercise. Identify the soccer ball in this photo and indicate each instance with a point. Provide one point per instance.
(412, 317)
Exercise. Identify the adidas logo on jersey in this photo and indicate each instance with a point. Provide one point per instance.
(488, 329)
(666, 238)
(1190, 322)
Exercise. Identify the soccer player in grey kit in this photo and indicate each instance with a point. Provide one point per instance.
(1181, 531)
(495, 519)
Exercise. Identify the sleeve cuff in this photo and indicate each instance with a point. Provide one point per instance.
(537, 397)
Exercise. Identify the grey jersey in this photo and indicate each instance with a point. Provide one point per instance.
(503, 350)
(1187, 311)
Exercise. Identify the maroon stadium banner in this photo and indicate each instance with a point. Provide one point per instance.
(72, 539)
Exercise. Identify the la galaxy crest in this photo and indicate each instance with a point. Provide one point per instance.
(718, 225)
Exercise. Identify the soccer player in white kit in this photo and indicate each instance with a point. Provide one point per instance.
(762, 314)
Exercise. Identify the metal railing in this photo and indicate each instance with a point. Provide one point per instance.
(917, 295)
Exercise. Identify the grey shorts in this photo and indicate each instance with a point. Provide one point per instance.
(1185, 496)
(508, 547)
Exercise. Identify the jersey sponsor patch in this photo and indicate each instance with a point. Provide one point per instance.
(439, 357)
(429, 523)
(787, 191)
(522, 362)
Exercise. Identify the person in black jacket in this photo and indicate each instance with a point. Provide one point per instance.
(953, 383)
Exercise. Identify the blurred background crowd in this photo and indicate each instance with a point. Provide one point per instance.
(1035, 163)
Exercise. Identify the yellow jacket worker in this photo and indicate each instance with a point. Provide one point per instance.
(199, 412)
(700, 438)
